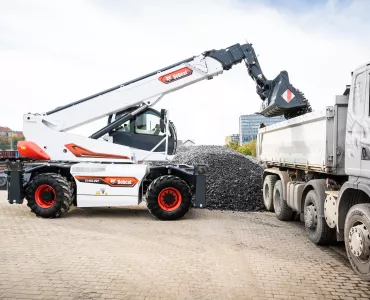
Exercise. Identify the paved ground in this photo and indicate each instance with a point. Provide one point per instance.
(126, 254)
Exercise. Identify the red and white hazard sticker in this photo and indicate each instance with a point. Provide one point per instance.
(288, 95)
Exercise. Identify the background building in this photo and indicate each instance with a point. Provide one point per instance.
(249, 124)
(234, 138)
(188, 143)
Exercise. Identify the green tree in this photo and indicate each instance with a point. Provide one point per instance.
(244, 149)
(4, 142)
(249, 149)
(233, 146)
(7, 142)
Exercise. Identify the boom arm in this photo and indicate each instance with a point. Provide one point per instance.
(47, 132)
(149, 89)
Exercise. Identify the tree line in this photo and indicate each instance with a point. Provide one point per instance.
(6, 142)
(246, 149)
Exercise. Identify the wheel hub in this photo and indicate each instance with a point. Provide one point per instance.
(310, 217)
(169, 198)
(45, 196)
(359, 241)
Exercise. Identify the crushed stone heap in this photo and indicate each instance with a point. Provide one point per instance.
(234, 181)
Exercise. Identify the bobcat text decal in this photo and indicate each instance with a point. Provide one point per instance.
(111, 181)
(176, 75)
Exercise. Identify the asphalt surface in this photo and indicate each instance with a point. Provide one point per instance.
(123, 253)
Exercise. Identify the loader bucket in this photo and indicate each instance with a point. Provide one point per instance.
(284, 99)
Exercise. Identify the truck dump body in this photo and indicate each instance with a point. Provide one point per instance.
(313, 142)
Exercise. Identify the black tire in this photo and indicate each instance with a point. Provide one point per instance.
(282, 211)
(319, 232)
(3, 181)
(53, 185)
(179, 198)
(268, 189)
(358, 214)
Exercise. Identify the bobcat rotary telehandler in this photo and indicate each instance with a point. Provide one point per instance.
(109, 168)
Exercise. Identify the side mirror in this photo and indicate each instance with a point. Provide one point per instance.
(162, 125)
(163, 113)
(162, 120)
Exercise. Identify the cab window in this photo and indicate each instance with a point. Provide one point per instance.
(359, 94)
(148, 123)
(125, 127)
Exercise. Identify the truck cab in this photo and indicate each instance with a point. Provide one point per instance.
(357, 160)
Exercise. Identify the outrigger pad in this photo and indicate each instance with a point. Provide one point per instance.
(14, 173)
(283, 99)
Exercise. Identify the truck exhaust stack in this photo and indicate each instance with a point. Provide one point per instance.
(281, 98)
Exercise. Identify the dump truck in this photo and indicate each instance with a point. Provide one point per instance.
(317, 170)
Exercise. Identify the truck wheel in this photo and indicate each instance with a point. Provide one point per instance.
(168, 198)
(2, 181)
(268, 189)
(357, 239)
(49, 195)
(282, 210)
(317, 230)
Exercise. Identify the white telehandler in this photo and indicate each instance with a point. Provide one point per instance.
(109, 167)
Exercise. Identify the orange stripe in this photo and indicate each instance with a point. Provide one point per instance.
(79, 151)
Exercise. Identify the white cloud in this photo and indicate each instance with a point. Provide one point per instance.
(53, 53)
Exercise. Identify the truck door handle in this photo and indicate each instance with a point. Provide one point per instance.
(364, 153)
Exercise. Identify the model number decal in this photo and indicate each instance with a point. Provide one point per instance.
(176, 75)
(111, 181)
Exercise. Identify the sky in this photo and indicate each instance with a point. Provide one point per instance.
(56, 52)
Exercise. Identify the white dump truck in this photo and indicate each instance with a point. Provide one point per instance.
(317, 168)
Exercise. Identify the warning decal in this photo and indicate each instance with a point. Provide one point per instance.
(288, 95)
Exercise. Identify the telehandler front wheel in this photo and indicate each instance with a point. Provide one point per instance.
(168, 198)
(49, 195)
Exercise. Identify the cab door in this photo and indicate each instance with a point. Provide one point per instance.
(356, 115)
(143, 132)
(365, 138)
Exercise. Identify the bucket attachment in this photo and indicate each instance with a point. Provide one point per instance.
(281, 98)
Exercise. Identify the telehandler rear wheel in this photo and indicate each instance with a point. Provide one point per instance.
(168, 198)
(49, 195)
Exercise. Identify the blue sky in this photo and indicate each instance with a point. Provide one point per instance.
(56, 52)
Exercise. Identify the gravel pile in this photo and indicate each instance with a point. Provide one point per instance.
(234, 181)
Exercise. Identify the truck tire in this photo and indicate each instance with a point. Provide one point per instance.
(268, 189)
(2, 181)
(357, 239)
(168, 198)
(317, 230)
(49, 195)
(282, 211)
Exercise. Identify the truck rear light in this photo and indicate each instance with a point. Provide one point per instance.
(31, 150)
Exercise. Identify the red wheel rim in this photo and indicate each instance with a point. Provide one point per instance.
(40, 196)
(169, 199)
